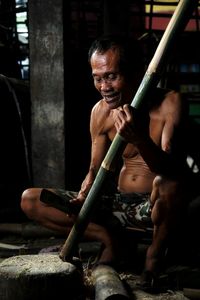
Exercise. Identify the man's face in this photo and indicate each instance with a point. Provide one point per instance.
(108, 80)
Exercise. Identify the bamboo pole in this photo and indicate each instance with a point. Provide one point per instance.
(151, 78)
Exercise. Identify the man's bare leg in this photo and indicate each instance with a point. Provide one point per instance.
(167, 204)
(61, 222)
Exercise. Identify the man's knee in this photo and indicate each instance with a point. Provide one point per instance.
(159, 211)
(28, 200)
(165, 188)
(165, 198)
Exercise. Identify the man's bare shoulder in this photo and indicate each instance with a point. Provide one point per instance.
(101, 117)
(169, 100)
(173, 96)
(168, 106)
(98, 106)
(175, 102)
(100, 111)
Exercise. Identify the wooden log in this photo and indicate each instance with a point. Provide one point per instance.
(107, 284)
(41, 276)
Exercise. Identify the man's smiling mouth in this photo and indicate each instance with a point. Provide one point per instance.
(112, 98)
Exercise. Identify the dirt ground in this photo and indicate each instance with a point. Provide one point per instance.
(130, 282)
(184, 279)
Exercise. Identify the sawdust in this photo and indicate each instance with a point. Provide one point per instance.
(35, 264)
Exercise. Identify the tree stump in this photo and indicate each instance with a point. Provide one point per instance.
(40, 276)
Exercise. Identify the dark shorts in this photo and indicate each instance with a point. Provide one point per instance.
(131, 210)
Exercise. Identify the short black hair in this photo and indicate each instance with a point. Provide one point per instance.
(130, 52)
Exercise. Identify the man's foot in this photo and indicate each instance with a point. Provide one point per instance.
(153, 283)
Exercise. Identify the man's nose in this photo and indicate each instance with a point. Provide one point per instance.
(105, 85)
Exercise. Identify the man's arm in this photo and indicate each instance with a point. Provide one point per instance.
(167, 156)
(161, 162)
(99, 147)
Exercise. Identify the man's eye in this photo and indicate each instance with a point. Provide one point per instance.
(97, 79)
(112, 76)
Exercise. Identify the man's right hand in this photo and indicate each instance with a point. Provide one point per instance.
(79, 199)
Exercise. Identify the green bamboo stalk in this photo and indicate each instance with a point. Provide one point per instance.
(151, 78)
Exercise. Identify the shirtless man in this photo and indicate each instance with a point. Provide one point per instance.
(154, 159)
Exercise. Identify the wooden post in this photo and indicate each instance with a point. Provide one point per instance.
(107, 284)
